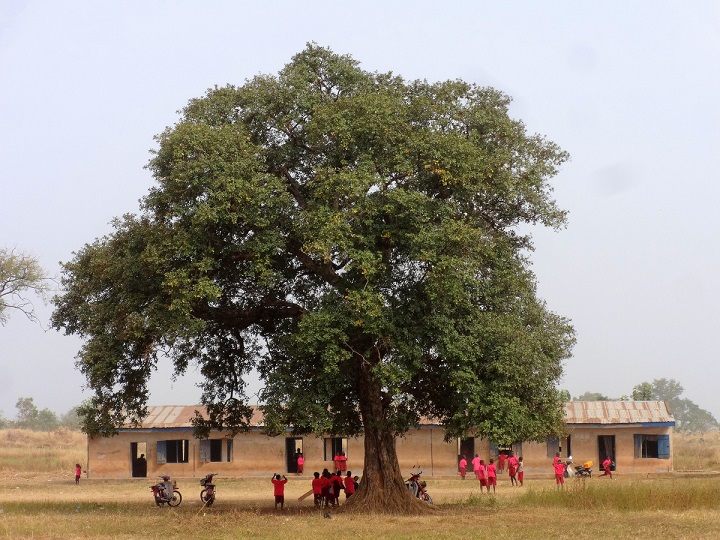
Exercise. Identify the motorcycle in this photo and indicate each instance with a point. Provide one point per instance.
(418, 487)
(584, 470)
(207, 495)
(166, 492)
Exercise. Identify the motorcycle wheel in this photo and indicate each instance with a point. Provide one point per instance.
(176, 498)
(207, 497)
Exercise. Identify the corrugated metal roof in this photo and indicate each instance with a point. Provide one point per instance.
(576, 412)
(617, 412)
(179, 416)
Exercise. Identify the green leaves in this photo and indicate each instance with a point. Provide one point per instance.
(320, 225)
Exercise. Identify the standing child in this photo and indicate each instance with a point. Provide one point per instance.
(300, 463)
(502, 459)
(338, 486)
(559, 468)
(349, 485)
(476, 465)
(326, 486)
(520, 471)
(78, 473)
(491, 475)
(512, 469)
(340, 461)
(481, 474)
(317, 489)
(462, 466)
(279, 490)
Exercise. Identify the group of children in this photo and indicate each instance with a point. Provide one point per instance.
(339, 460)
(487, 474)
(326, 487)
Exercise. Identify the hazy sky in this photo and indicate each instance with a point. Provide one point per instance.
(630, 89)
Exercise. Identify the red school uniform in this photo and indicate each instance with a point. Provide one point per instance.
(462, 466)
(501, 461)
(476, 466)
(300, 464)
(349, 486)
(512, 465)
(559, 468)
(78, 472)
(481, 474)
(317, 485)
(491, 474)
(279, 487)
(340, 463)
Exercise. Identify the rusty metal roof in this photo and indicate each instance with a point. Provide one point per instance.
(576, 412)
(617, 412)
(179, 416)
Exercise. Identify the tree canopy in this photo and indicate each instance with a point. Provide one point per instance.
(354, 237)
(20, 275)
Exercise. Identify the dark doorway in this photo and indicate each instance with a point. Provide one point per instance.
(606, 447)
(466, 447)
(138, 459)
(293, 447)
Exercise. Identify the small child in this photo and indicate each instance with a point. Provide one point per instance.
(78, 473)
(349, 485)
(491, 476)
(502, 459)
(476, 461)
(300, 463)
(559, 468)
(462, 466)
(337, 486)
(520, 471)
(326, 487)
(317, 489)
(279, 490)
(481, 474)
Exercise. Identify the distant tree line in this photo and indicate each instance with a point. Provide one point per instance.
(28, 416)
(688, 415)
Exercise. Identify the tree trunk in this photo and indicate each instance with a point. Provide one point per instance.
(382, 488)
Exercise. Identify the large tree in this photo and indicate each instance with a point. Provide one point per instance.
(355, 237)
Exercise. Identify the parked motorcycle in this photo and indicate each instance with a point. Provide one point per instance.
(584, 470)
(418, 487)
(166, 492)
(207, 495)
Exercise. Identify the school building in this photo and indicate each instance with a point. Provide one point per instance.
(636, 434)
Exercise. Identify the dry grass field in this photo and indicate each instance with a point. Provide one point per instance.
(38, 499)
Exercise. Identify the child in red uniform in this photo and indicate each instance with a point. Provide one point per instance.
(300, 463)
(491, 475)
(481, 475)
(512, 469)
(476, 465)
(326, 488)
(607, 467)
(462, 466)
(520, 471)
(502, 458)
(338, 486)
(340, 461)
(349, 485)
(279, 490)
(78, 473)
(559, 468)
(556, 459)
(317, 489)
